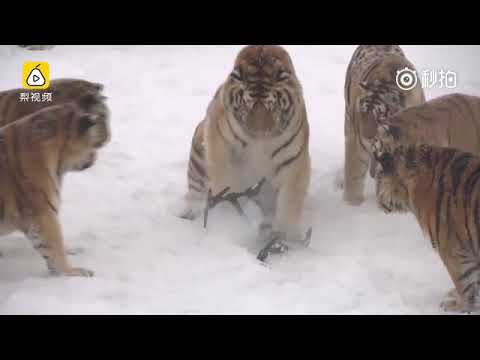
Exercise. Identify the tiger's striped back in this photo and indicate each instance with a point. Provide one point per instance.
(450, 121)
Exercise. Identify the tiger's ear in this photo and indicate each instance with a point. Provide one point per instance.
(98, 87)
(87, 100)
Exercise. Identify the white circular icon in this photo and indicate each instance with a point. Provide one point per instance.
(406, 79)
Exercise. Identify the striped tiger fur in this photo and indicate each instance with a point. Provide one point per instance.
(449, 121)
(371, 92)
(62, 90)
(255, 127)
(441, 186)
(36, 151)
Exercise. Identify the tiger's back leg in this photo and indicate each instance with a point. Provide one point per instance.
(356, 165)
(197, 178)
(464, 270)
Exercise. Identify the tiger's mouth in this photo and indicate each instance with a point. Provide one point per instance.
(87, 163)
(261, 121)
(390, 198)
(393, 206)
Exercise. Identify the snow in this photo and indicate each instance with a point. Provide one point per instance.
(119, 216)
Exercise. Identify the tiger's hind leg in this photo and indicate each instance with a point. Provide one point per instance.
(452, 302)
(356, 165)
(195, 205)
(197, 177)
(196, 197)
(464, 269)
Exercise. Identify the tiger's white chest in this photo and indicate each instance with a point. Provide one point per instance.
(256, 161)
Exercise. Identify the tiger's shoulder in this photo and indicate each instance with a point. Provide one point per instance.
(451, 120)
(442, 108)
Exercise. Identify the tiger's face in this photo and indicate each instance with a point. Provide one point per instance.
(395, 170)
(380, 101)
(89, 132)
(262, 91)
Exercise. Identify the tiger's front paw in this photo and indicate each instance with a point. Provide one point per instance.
(188, 209)
(189, 214)
(81, 272)
(74, 251)
(450, 301)
(276, 244)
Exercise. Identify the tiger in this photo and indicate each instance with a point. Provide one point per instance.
(255, 127)
(441, 187)
(62, 91)
(371, 92)
(451, 120)
(36, 152)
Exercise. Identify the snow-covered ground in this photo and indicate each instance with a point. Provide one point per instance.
(120, 215)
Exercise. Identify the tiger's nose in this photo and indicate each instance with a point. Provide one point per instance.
(259, 94)
(259, 91)
(258, 103)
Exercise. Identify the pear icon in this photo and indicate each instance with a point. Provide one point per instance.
(36, 77)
